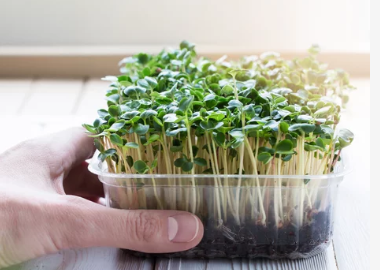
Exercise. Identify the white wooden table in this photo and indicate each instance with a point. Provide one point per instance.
(72, 102)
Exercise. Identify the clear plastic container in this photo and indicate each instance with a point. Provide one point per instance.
(288, 216)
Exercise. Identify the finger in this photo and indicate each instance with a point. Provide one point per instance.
(65, 150)
(152, 231)
(53, 154)
(82, 182)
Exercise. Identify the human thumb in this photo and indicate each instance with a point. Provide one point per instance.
(153, 231)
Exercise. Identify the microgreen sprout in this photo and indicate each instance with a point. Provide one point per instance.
(175, 113)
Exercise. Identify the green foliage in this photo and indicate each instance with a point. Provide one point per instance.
(281, 107)
(140, 166)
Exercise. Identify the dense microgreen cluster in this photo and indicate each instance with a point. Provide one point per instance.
(176, 113)
(175, 105)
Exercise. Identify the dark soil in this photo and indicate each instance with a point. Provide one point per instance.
(251, 241)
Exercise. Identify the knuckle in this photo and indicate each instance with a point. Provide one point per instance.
(145, 227)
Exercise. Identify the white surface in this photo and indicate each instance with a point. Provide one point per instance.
(52, 97)
(324, 261)
(89, 259)
(12, 95)
(352, 230)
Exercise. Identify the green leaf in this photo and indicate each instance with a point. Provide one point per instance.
(140, 166)
(227, 90)
(108, 153)
(90, 128)
(146, 71)
(113, 98)
(176, 148)
(236, 142)
(312, 147)
(129, 115)
(116, 126)
(287, 157)
(116, 139)
(265, 157)
(152, 139)
(179, 162)
(266, 149)
(163, 100)
(211, 124)
(140, 129)
(284, 127)
(145, 101)
(219, 138)
(185, 103)
(237, 133)
(147, 114)
(130, 161)
(271, 125)
(174, 132)
(210, 101)
(184, 164)
(304, 118)
(279, 100)
(200, 161)
(250, 111)
(176, 62)
(102, 113)
(284, 147)
(252, 128)
(186, 45)
(114, 110)
(98, 145)
(327, 129)
(187, 166)
(235, 104)
(320, 143)
(151, 81)
(232, 153)
(171, 118)
(322, 111)
(98, 122)
(143, 83)
(132, 145)
(306, 128)
(142, 58)
(158, 121)
(195, 150)
(345, 137)
(218, 116)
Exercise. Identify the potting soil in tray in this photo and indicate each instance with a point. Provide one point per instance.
(252, 241)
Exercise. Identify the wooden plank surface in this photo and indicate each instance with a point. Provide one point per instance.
(90, 258)
(323, 261)
(52, 97)
(93, 97)
(13, 93)
(76, 101)
(351, 234)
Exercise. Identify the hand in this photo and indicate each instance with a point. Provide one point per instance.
(43, 186)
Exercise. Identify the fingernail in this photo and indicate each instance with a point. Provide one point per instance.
(182, 228)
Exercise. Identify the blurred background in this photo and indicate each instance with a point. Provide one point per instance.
(53, 53)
